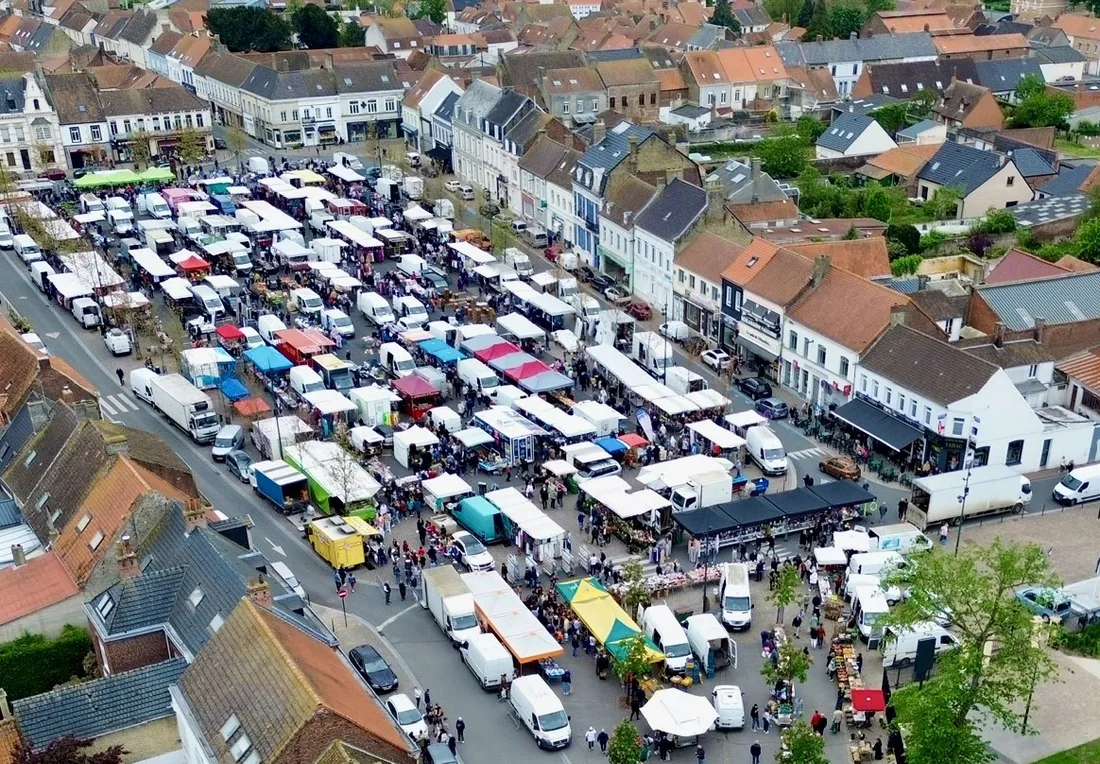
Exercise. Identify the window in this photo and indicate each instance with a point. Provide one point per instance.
(216, 623)
(957, 426)
(229, 729)
(565, 107)
(190, 120)
(195, 597)
(845, 366)
(43, 133)
(74, 135)
(328, 114)
(595, 104)
(580, 106)
(1033, 371)
(821, 354)
(612, 102)
(97, 133)
(83, 523)
(5, 134)
(855, 69)
(889, 396)
(862, 382)
(20, 134)
(126, 126)
(198, 119)
(97, 539)
(241, 747)
(912, 409)
(372, 107)
(353, 107)
(874, 389)
(652, 99)
(901, 403)
(792, 341)
(691, 282)
(1015, 453)
(723, 96)
(1011, 180)
(928, 415)
(391, 105)
(806, 342)
(293, 116)
(36, 106)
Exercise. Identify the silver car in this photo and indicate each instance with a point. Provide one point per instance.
(229, 438)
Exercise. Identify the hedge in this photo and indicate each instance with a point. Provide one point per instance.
(33, 664)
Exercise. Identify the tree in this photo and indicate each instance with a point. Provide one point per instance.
(236, 140)
(635, 594)
(976, 589)
(784, 156)
(249, 29)
(893, 117)
(979, 243)
(806, 14)
(635, 659)
(139, 148)
(810, 128)
(1030, 85)
(723, 17)
(1040, 108)
(943, 204)
(801, 745)
(907, 234)
(436, 10)
(352, 34)
(930, 736)
(786, 588)
(906, 266)
(845, 19)
(65, 750)
(923, 102)
(819, 25)
(45, 155)
(874, 6)
(784, 10)
(877, 203)
(1088, 240)
(791, 664)
(192, 147)
(315, 28)
(624, 746)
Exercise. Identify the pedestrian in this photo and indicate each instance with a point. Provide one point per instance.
(336, 578)
(452, 744)
(838, 719)
(766, 721)
(700, 754)
(121, 377)
(416, 696)
(902, 506)
(754, 751)
(602, 739)
(943, 534)
(635, 708)
(575, 642)
(567, 682)
(754, 714)
(403, 590)
(460, 729)
(428, 697)
(859, 662)
(590, 738)
(386, 590)
(352, 581)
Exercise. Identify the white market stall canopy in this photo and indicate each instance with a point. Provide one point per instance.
(356, 236)
(744, 419)
(329, 402)
(708, 398)
(519, 326)
(854, 541)
(585, 453)
(472, 253)
(345, 174)
(446, 485)
(149, 262)
(559, 467)
(830, 555)
(125, 300)
(177, 288)
(508, 423)
(716, 434)
(551, 416)
(472, 437)
(92, 269)
(271, 215)
(415, 212)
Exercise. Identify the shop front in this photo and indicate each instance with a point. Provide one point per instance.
(700, 317)
(616, 266)
(889, 432)
(759, 333)
(359, 132)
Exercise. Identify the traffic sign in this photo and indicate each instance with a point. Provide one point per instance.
(343, 594)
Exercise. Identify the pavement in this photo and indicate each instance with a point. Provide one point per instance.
(411, 640)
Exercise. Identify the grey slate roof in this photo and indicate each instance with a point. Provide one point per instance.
(752, 17)
(709, 35)
(926, 366)
(307, 83)
(376, 76)
(595, 56)
(843, 132)
(506, 107)
(139, 27)
(959, 166)
(478, 100)
(1061, 299)
(672, 212)
(225, 68)
(914, 130)
(12, 95)
(1030, 163)
(1057, 54)
(1050, 209)
(864, 105)
(445, 111)
(906, 80)
(880, 48)
(99, 707)
(9, 512)
(1003, 75)
(1068, 182)
(599, 160)
(691, 112)
(740, 186)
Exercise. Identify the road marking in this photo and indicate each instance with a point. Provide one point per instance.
(394, 617)
(126, 399)
(806, 453)
(275, 547)
(105, 405)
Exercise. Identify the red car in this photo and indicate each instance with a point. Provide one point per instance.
(640, 310)
(54, 173)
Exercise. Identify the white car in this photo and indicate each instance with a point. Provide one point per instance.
(473, 554)
(616, 296)
(716, 359)
(117, 341)
(407, 715)
(35, 342)
(452, 185)
(675, 330)
(252, 338)
(730, 705)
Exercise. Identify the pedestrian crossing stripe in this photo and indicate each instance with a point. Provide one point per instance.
(807, 453)
(114, 405)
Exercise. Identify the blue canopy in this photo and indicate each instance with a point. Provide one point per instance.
(233, 389)
(441, 351)
(267, 359)
(611, 445)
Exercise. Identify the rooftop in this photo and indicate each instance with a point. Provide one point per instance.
(926, 366)
(1057, 299)
(957, 166)
(843, 132)
(708, 255)
(847, 309)
(671, 213)
(1018, 265)
(26, 589)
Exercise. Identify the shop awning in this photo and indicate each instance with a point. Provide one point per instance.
(751, 512)
(842, 493)
(756, 349)
(799, 502)
(886, 429)
(704, 522)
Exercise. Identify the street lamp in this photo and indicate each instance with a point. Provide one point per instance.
(968, 457)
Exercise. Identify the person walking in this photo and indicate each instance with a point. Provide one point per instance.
(766, 722)
(903, 505)
(416, 696)
(754, 751)
(603, 739)
(336, 578)
(452, 744)
(352, 581)
(590, 738)
(567, 681)
(386, 590)
(121, 377)
(402, 590)
(635, 708)
(944, 530)
(754, 715)
(428, 697)
(700, 754)
(460, 729)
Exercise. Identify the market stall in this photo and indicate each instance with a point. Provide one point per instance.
(330, 409)
(337, 483)
(267, 360)
(604, 617)
(491, 348)
(446, 489)
(570, 427)
(716, 440)
(606, 420)
(680, 715)
(205, 367)
(366, 440)
(375, 404)
(408, 443)
(499, 607)
(418, 395)
(440, 352)
(513, 434)
(519, 326)
(846, 495)
(741, 421)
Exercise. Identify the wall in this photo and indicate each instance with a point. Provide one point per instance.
(830, 372)
(48, 620)
(132, 653)
(143, 742)
(312, 740)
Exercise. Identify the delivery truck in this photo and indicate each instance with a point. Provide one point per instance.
(708, 489)
(990, 489)
(282, 485)
(188, 407)
(652, 351)
(445, 594)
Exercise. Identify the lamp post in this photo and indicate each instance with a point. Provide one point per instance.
(968, 463)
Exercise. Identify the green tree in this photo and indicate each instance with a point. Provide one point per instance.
(907, 234)
(316, 29)
(635, 659)
(877, 203)
(65, 750)
(923, 101)
(846, 18)
(1088, 240)
(810, 128)
(1042, 109)
(786, 589)
(874, 6)
(931, 737)
(784, 156)
(249, 29)
(436, 10)
(352, 34)
(723, 17)
(943, 204)
(892, 117)
(791, 665)
(635, 594)
(192, 147)
(1029, 85)
(624, 746)
(139, 148)
(819, 25)
(905, 266)
(236, 140)
(801, 745)
(976, 589)
(780, 10)
(806, 14)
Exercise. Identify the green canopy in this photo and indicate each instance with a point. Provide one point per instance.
(619, 650)
(581, 589)
(107, 178)
(154, 174)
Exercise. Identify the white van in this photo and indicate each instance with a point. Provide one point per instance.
(27, 248)
(395, 359)
(338, 321)
(375, 308)
(410, 312)
(900, 645)
(899, 537)
(259, 166)
(40, 274)
(478, 375)
(268, 325)
(121, 220)
(764, 448)
(661, 626)
(488, 660)
(873, 563)
(710, 642)
(91, 203)
(283, 571)
(207, 299)
(141, 384)
(156, 206)
(870, 605)
(307, 301)
(729, 703)
(1079, 485)
(304, 380)
(539, 710)
(854, 581)
(734, 594)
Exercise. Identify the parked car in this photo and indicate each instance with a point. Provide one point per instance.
(239, 464)
(452, 185)
(117, 341)
(584, 273)
(220, 144)
(433, 278)
(840, 467)
(616, 296)
(602, 281)
(754, 387)
(473, 554)
(35, 342)
(229, 438)
(675, 330)
(373, 668)
(640, 310)
(53, 173)
(1046, 602)
(716, 359)
(772, 408)
(407, 715)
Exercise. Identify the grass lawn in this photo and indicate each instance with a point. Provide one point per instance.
(1072, 149)
(1089, 753)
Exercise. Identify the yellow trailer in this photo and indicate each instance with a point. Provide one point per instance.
(341, 540)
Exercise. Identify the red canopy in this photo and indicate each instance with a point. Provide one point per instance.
(251, 407)
(633, 440)
(525, 370)
(498, 350)
(229, 332)
(414, 386)
(868, 700)
(193, 263)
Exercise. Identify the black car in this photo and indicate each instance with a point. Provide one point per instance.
(373, 668)
(219, 144)
(602, 281)
(434, 279)
(584, 273)
(754, 387)
(374, 173)
(239, 465)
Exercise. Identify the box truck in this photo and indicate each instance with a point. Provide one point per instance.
(706, 490)
(990, 489)
(445, 594)
(188, 407)
(282, 485)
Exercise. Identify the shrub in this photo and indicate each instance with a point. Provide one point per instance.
(931, 240)
(906, 266)
(33, 664)
(907, 235)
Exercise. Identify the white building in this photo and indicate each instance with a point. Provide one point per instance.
(846, 59)
(468, 120)
(30, 135)
(618, 245)
(582, 9)
(82, 124)
(420, 104)
(853, 135)
(659, 230)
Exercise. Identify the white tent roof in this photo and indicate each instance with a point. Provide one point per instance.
(176, 288)
(627, 505)
(329, 401)
(854, 541)
(446, 485)
(333, 469)
(415, 212)
(520, 326)
(125, 300)
(717, 434)
(584, 453)
(345, 173)
(518, 628)
(708, 398)
(830, 555)
(472, 436)
(745, 418)
(416, 436)
(471, 252)
(559, 467)
(151, 264)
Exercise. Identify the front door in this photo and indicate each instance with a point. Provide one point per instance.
(25, 157)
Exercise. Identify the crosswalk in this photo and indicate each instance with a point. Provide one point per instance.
(115, 405)
(807, 453)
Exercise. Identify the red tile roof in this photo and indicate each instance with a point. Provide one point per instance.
(42, 582)
(1018, 265)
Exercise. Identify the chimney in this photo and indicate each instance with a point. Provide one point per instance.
(1040, 329)
(328, 62)
(926, 28)
(922, 283)
(282, 64)
(599, 132)
(194, 515)
(5, 709)
(18, 556)
(542, 133)
(999, 335)
(67, 395)
(259, 591)
(632, 154)
(671, 175)
(541, 75)
(54, 535)
(627, 216)
(898, 316)
(819, 38)
(165, 27)
(715, 191)
(128, 566)
(821, 267)
(756, 170)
